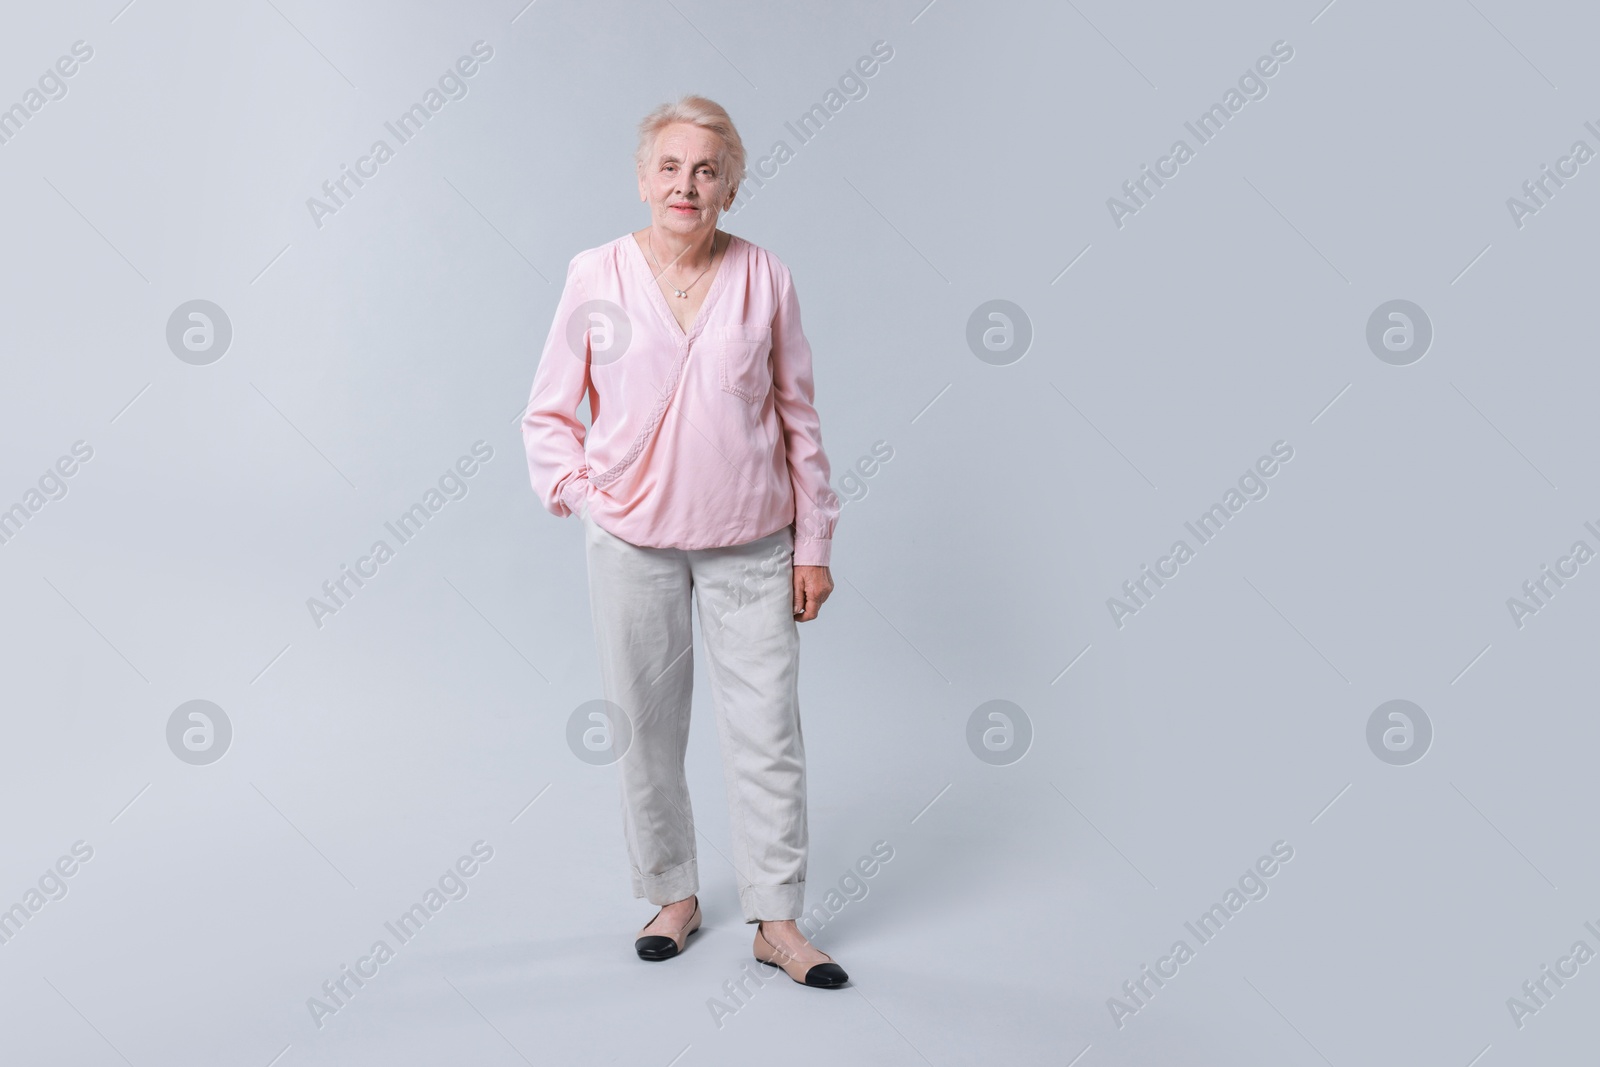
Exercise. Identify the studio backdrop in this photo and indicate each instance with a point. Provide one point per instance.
(1209, 394)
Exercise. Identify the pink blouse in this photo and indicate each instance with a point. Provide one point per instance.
(698, 440)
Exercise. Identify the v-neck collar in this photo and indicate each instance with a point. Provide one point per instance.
(660, 300)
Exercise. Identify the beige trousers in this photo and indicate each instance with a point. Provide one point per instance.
(744, 595)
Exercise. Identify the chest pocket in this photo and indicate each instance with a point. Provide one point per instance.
(744, 355)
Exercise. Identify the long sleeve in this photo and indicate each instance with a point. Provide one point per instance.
(816, 505)
(551, 431)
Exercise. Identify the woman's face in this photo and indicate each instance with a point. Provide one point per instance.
(683, 181)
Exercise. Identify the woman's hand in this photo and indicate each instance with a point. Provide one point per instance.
(811, 587)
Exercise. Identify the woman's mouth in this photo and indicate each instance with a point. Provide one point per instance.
(686, 209)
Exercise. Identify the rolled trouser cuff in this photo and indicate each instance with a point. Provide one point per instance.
(772, 903)
(671, 885)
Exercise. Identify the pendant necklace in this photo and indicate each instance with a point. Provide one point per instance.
(683, 293)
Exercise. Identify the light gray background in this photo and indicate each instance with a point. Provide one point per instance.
(1228, 314)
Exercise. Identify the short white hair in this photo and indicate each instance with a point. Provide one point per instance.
(697, 111)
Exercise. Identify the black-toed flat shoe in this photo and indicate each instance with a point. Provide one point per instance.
(820, 975)
(662, 947)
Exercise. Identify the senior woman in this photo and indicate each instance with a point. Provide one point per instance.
(702, 476)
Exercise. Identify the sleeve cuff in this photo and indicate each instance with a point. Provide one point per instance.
(574, 493)
(812, 552)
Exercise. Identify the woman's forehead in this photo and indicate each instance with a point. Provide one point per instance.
(679, 139)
